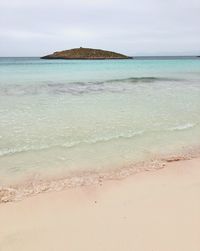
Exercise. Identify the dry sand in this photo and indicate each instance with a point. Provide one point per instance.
(151, 211)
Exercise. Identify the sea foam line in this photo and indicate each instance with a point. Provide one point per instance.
(182, 127)
(5, 152)
(129, 135)
(33, 186)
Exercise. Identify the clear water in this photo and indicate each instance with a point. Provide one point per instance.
(57, 117)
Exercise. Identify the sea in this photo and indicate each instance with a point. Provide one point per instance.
(73, 118)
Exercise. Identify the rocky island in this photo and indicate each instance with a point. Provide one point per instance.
(85, 53)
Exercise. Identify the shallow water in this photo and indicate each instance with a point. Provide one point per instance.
(58, 117)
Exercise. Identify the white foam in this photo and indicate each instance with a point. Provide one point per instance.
(183, 127)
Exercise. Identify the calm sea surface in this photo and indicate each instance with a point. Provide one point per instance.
(57, 117)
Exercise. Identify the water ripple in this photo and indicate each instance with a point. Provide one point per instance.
(75, 88)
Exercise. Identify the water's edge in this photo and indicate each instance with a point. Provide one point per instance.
(34, 186)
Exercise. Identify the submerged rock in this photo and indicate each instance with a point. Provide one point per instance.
(85, 53)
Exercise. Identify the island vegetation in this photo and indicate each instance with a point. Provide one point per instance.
(85, 53)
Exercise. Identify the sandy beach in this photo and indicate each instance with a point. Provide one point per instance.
(99, 125)
(150, 211)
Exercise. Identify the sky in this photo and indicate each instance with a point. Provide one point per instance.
(132, 27)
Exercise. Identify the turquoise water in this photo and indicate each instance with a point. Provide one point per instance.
(58, 117)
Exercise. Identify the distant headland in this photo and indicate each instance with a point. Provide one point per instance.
(85, 53)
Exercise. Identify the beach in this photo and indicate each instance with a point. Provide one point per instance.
(154, 210)
(99, 125)
(99, 154)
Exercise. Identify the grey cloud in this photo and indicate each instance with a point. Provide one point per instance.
(145, 27)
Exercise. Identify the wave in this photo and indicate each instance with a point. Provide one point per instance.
(78, 88)
(142, 79)
(35, 184)
(23, 149)
(182, 127)
(95, 140)
(103, 139)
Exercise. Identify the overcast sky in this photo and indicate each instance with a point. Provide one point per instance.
(133, 27)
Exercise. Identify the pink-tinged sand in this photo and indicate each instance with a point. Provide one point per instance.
(151, 211)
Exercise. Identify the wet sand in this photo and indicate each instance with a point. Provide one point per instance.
(149, 211)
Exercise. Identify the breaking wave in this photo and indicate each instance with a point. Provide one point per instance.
(78, 88)
(182, 127)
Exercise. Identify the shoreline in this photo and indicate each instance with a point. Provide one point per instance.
(148, 211)
(33, 186)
